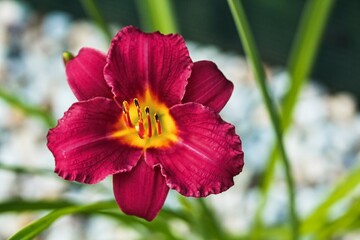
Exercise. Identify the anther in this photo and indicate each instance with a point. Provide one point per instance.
(147, 111)
(126, 115)
(136, 102)
(140, 128)
(158, 125)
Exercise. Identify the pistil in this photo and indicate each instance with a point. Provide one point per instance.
(147, 111)
(140, 129)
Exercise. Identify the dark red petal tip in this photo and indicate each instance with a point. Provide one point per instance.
(208, 85)
(140, 192)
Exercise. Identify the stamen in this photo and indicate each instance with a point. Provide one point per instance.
(158, 125)
(126, 115)
(147, 111)
(125, 118)
(140, 128)
(126, 106)
(136, 102)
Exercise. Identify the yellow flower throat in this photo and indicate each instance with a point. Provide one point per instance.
(151, 126)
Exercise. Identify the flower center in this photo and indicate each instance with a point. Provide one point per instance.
(145, 127)
(140, 126)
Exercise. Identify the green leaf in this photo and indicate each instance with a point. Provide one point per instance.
(319, 216)
(157, 15)
(260, 77)
(300, 63)
(25, 170)
(209, 225)
(28, 109)
(160, 226)
(36, 227)
(202, 218)
(343, 224)
(304, 51)
(93, 10)
(17, 205)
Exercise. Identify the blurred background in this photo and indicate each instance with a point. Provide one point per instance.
(323, 141)
(273, 22)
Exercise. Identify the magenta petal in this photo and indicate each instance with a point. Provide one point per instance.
(208, 86)
(140, 61)
(83, 146)
(140, 192)
(85, 75)
(207, 155)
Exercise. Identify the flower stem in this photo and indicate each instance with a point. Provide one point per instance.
(92, 9)
(157, 15)
(259, 73)
(300, 63)
(28, 109)
(304, 51)
(211, 226)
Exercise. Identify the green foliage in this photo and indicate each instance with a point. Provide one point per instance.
(26, 108)
(259, 73)
(17, 205)
(300, 63)
(157, 15)
(319, 217)
(92, 9)
(38, 226)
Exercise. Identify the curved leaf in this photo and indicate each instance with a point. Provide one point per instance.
(36, 227)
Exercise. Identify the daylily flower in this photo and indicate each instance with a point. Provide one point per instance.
(149, 116)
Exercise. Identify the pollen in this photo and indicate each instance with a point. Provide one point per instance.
(146, 123)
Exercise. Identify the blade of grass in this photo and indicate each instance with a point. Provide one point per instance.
(93, 10)
(13, 101)
(202, 218)
(157, 15)
(63, 207)
(210, 226)
(159, 226)
(38, 226)
(109, 208)
(25, 170)
(341, 225)
(349, 183)
(300, 63)
(304, 51)
(17, 205)
(259, 73)
(48, 173)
